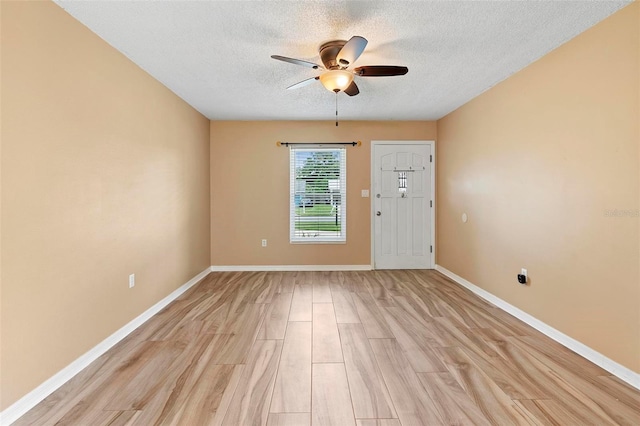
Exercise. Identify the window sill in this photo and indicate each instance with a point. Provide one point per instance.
(318, 242)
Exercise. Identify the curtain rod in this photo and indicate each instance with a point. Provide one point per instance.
(279, 143)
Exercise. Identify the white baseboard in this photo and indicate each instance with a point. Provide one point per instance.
(30, 400)
(592, 355)
(288, 268)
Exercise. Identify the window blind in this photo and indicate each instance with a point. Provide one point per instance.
(318, 188)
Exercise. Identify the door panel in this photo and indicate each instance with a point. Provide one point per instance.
(402, 231)
(388, 221)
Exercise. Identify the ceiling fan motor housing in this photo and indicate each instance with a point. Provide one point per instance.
(329, 51)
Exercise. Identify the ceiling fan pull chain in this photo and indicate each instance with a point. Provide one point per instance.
(336, 109)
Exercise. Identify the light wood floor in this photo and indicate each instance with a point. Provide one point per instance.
(381, 348)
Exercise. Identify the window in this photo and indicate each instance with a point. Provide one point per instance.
(318, 195)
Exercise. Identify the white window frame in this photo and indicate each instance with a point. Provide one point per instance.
(309, 238)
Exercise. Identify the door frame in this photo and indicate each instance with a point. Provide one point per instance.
(432, 177)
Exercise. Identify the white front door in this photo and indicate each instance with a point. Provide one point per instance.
(402, 206)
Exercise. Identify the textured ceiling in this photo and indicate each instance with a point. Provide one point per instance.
(216, 54)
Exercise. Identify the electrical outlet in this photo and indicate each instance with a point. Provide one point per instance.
(522, 276)
(264, 243)
(132, 280)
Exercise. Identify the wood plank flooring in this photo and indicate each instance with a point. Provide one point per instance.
(379, 348)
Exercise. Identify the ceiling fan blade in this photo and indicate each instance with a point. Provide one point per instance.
(352, 90)
(380, 70)
(297, 62)
(351, 51)
(303, 83)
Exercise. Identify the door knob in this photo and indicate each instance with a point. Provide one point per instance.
(378, 213)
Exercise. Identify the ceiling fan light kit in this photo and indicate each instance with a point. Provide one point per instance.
(336, 80)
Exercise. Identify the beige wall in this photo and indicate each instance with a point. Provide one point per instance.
(105, 172)
(536, 162)
(250, 189)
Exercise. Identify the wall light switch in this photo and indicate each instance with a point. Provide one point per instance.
(365, 193)
(264, 243)
(132, 280)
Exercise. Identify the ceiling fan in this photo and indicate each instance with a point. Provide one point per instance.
(337, 56)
